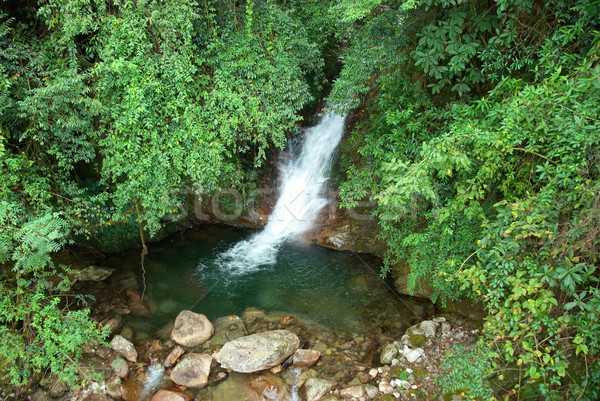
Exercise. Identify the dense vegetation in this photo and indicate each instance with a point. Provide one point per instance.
(480, 125)
(477, 138)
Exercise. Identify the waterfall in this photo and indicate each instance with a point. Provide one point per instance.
(300, 201)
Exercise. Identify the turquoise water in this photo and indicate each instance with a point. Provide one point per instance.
(334, 289)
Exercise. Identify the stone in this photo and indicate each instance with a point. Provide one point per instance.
(228, 328)
(385, 387)
(114, 324)
(120, 367)
(353, 392)
(305, 358)
(57, 389)
(91, 365)
(371, 391)
(127, 332)
(124, 347)
(170, 395)
(40, 395)
(414, 354)
(192, 371)
(258, 351)
(93, 273)
(438, 319)
(113, 387)
(97, 397)
(429, 328)
(446, 328)
(256, 313)
(276, 369)
(191, 329)
(388, 353)
(314, 388)
(165, 331)
(373, 372)
(173, 356)
(131, 390)
(235, 388)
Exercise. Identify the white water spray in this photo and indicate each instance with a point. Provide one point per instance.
(300, 201)
(154, 376)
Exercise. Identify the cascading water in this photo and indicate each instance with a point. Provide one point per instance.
(300, 201)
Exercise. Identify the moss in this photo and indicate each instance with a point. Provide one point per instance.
(420, 372)
(387, 397)
(416, 339)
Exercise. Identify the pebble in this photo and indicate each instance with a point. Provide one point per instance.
(373, 372)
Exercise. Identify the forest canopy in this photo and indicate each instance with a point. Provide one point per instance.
(476, 135)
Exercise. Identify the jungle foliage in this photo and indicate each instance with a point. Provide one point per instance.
(111, 112)
(478, 140)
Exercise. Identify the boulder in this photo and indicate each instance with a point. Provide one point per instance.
(388, 353)
(228, 328)
(354, 392)
(258, 351)
(124, 347)
(314, 388)
(93, 273)
(304, 358)
(414, 354)
(120, 367)
(426, 328)
(191, 329)
(192, 371)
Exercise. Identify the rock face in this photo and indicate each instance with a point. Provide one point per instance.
(192, 371)
(228, 328)
(304, 358)
(258, 351)
(191, 329)
(124, 347)
(315, 388)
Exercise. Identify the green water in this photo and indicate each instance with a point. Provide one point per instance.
(334, 289)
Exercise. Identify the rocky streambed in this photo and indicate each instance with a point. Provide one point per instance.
(258, 356)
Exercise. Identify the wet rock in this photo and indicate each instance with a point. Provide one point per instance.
(304, 358)
(192, 371)
(124, 347)
(191, 329)
(258, 351)
(120, 367)
(127, 333)
(93, 273)
(228, 328)
(235, 388)
(270, 387)
(131, 390)
(173, 356)
(129, 283)
(256, 313)
(354, 392)
(138, 305)
(388, 353)
(414, 354)
(171, 395)
(314, 388)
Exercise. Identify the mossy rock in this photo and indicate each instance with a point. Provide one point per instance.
(387, 397)
(397, 371)
(451, 395)
(416, 340)
(420, 372)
